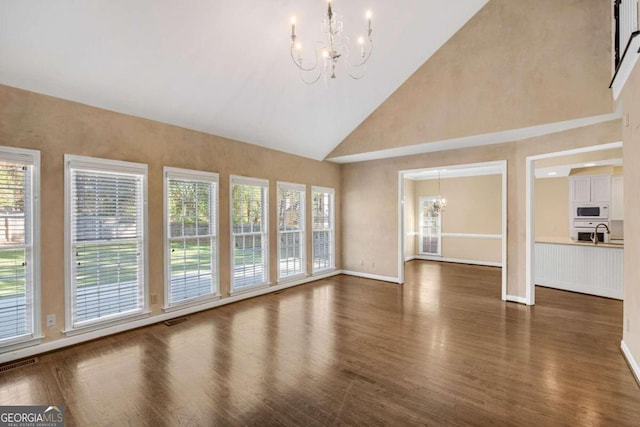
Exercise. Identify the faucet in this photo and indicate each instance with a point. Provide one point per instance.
(594, 235)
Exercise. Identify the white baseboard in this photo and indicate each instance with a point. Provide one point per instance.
(635, 369)
(519, 300)
(410, 258)
(371, 276)
(99, 333)
(459, 261)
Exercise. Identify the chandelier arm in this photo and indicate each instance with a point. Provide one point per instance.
(366, 58)
(310, 82)
(315, 65)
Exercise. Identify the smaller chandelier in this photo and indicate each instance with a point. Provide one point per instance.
(328, 52)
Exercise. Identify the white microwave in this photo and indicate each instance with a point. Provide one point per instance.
(589, 211)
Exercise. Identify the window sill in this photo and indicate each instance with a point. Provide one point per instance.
(323, 271)
(191, 303)
(106, 324)
(18, 344)
(248, 289)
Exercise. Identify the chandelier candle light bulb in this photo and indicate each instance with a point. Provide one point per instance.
(334, 49)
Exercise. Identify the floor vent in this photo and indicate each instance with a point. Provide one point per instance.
(15, 365)
(175, 321)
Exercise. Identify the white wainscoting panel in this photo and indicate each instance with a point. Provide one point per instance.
(594, 270)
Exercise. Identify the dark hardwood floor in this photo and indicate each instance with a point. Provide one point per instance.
(440, 350)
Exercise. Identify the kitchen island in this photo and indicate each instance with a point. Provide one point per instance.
(580, 266)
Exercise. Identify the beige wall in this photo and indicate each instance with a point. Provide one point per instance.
(552, 207)
(57, 127)
(474, 206)
(370, 243)
(516, 63)
(631, 138)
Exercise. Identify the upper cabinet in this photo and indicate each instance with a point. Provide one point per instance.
(601, 188)
(593, 188)
(616, 210)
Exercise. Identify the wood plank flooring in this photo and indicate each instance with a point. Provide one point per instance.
(440, 350)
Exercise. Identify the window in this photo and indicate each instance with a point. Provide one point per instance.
(323, 229)
(191, 225)
(19, 241)
(430, 226)
(106, 240)
(291, 230)
(249, 232)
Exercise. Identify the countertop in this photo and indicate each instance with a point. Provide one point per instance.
(615, 243)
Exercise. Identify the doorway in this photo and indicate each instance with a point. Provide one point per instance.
(530, 209)
(435, 236)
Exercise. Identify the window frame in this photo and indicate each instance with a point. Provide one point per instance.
(302, 189)
(33, 337)
(332, 230)
(95, 164)
(264, 183)
(422, 201)
(213, 179)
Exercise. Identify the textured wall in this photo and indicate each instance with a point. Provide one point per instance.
(516, 63)
(370, 242)
(552, 207)
(57, 127)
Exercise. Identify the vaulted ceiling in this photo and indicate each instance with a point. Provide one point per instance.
(219, 67)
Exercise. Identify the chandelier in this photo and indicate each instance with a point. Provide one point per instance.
(334, 47)
(440, 203)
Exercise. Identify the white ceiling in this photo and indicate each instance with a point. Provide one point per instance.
(218, 67)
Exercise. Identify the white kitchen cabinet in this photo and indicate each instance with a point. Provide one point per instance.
(616, 208)
(580, 188)
(590, 188)
(601, 188)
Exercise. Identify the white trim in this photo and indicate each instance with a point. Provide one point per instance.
(108, 166)
(372, 276)
(519, 300)
(114, 320)
(247, 289)
(30, 158)
(302, 189)
(191, 302)
(530, 208)
(502, 164)
(459, 261)
(264, 183)
(633, 364)
(477, 140)
(401, 232)
(410, 258)
(332, 230)
(211, 178)
(422, 200)
(626, 67)
(99, 333)
(473, 236)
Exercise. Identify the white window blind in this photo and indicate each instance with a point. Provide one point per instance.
(291, 230)
(323, 239)
(249, 232)
(191, 213)
(18, 257)
(107, 221)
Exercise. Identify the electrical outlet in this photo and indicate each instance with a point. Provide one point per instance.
(154, 298)
(51, 320)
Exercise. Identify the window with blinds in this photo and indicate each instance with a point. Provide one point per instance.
(249, 232)
(19, 311)
(323, 234)
(106, 246)
(291, 230)
(191, 226)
